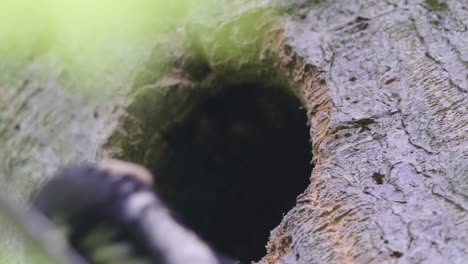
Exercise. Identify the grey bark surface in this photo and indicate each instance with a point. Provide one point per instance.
(385, 85)
(390, 182)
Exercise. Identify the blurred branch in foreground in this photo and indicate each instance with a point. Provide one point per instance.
(43, 244)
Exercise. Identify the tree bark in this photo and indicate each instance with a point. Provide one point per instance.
(391, 176)
(385, 85)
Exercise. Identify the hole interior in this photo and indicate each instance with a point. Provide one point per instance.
(378, 178)
(234, 165)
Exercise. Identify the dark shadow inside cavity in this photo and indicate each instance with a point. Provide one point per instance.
(236, 165)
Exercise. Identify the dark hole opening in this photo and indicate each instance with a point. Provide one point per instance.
(236, 165)
(378, 178)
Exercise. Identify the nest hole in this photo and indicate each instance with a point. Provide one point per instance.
(235, 165)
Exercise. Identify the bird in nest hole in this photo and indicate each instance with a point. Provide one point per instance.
(110, 214)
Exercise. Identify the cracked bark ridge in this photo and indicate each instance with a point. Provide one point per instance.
(391, 182)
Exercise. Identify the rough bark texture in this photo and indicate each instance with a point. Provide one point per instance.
(385, 86)
(391, 176)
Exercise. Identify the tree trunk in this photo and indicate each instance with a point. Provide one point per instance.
(392, 169)
(385, 86)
